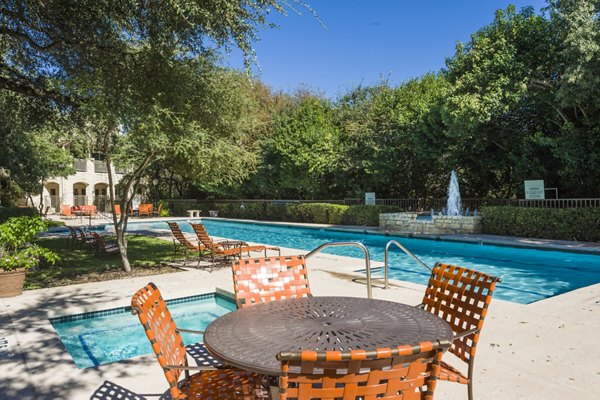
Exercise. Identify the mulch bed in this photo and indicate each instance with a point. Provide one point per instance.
(112, 274)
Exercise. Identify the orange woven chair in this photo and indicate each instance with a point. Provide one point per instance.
(226, 249)
(145, 209)
(260, 280)
(181, 241)
(461, 297)
(170, 351)
(405, 372)
(66, 212)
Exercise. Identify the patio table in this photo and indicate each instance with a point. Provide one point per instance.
(251, 337)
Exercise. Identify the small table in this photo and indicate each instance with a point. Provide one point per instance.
(250, 338)
(194, 213)
(213, 213)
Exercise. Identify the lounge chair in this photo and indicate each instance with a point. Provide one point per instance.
(145, 210)
(167, 343)
(404, 372)
(461, 297)
(260, 280)
(73, 235)
(181, 241)
(227, 248)
(103, 247)
(84, 237)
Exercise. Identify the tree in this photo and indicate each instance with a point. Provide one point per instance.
(392, 137)
(128, 69)
(497, 118)
(300, 158)
(30, 138)
(576, 25)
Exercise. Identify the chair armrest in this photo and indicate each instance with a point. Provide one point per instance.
(465, 333)
(190, 331)
(190, 368)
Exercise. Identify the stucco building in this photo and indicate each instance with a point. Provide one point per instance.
(89, 185)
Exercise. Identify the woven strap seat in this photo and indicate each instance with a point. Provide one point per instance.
(148, 304)
(259, 280)
(404, 372)
(449, 373)
(222, 384)
(224, 249)
(461, 297)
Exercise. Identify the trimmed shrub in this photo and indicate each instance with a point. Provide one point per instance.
(9, 212)
(581, 224)
(317, 213)
(367, 215)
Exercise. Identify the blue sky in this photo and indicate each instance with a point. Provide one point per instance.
(367, 40)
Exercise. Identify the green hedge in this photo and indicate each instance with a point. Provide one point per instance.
(546, 223)
(9, 212)
(316, 213)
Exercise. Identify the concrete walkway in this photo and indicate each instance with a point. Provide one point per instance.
(545, 350)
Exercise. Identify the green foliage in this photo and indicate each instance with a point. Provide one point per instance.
(302, 154)
(8, 212)
(547, 223)
(16, 250)
(366, 215)
(316, 213)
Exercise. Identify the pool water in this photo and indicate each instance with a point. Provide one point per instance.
(528, 275)
(102, 337)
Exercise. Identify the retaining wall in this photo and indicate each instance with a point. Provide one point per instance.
(407, 222)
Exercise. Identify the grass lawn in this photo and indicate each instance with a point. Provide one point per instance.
(146, 255)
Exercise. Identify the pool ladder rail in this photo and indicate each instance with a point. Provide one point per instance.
(386, 263)
(348, 244)
(368, 259)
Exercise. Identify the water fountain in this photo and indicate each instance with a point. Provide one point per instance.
(453, 206)
(450, 220)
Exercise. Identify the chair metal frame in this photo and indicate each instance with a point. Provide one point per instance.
(406, 372)
(461, 297)
(180, 241)
(226, 249)
(167, 343)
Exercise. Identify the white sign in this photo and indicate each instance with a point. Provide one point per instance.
(370, 198)
(534, 190)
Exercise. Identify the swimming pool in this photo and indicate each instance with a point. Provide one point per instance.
(106, 336)
(528, 275)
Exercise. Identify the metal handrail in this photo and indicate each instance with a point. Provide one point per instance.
(386, 263)
(355, 244)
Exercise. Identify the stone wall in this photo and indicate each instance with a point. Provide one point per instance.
(407, 222)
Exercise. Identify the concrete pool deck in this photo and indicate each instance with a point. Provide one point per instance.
(544, 350)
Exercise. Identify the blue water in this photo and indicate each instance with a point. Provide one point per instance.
(104, 339)
(527, 275)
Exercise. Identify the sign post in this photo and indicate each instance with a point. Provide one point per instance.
(369, 198)
(534, 190)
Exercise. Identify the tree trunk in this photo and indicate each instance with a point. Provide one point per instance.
(118, 224)
(122, 242)
(41, 206)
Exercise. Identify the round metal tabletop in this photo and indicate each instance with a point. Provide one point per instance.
(250, 338)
